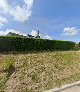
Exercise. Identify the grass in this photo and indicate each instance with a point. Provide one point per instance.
(7, 63)
(38, 71)
(6, 69)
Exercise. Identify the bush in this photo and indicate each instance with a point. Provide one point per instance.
(27, 44)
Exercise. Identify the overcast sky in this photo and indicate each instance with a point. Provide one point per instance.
(55, 19)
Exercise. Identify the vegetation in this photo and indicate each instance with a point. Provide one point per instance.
(7, 66)
(38, 71)
(29, 44)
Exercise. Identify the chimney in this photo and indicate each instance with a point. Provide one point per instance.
(38, 33)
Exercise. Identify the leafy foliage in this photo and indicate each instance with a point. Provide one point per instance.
(27, 44)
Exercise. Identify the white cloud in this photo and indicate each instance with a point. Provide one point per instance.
(29, 3)
(2, 21)
(34, 33)
(22, 14)
(24, 34)
(3, 33)
(18, 13)
(4, 6)
(70, 31)
(48, 37)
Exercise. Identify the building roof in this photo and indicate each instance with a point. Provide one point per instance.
(28, 36)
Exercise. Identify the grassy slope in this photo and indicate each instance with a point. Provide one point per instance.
(35, 72)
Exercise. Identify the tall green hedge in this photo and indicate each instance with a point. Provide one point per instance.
(8, 43)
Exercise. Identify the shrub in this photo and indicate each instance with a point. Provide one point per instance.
(27, 44)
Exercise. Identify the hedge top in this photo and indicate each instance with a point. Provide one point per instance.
(16, 43)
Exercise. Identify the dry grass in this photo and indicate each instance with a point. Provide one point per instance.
(36, 72)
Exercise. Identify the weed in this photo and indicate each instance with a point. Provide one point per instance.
(8, 63)
(34, 77)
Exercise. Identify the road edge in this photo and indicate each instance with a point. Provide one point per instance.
(63, 87)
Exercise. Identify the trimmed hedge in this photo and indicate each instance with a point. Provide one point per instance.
(8, 43)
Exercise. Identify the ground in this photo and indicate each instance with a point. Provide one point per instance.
(38, 71)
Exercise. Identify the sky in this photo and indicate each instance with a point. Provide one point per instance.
(55, 19)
